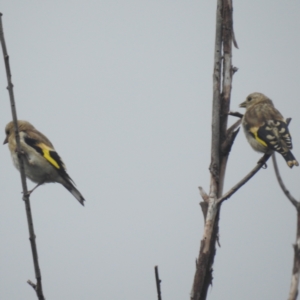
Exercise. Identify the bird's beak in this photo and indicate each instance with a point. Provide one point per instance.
(5, 141)
(243, 104)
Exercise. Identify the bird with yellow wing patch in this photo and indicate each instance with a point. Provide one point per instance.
(266, 129)
(42, 163)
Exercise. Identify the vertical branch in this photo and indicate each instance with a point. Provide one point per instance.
(38, 285)
(226, 85)
(215, 141)
(221, 103)
(158, 281)
(203, 268)
(296, 267)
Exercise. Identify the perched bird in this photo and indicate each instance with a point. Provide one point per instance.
(265, 128)
(42, 163)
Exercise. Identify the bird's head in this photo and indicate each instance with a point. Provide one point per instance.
(9, 128)
(253, 99)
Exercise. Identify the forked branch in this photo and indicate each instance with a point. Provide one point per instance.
(260, 164)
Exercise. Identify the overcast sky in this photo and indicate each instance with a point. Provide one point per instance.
(123, 90)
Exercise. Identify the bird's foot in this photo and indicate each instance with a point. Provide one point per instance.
(20, 152)
(27, 194)
(263, 162)
(30, 192)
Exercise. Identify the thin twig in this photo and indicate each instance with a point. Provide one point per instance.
(203, 194)
(234, 126)
(231, 134)
(204, 203)
(282, 185)
(296, 265)
(158, 281)
(235, 114)
(259, 165)
(33, 285)
(32, 237)
(227, 144)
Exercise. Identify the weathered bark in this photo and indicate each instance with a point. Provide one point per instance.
(220, 109)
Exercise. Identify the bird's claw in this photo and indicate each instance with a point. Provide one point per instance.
(27, 194)
(20, 152)
(263, 163)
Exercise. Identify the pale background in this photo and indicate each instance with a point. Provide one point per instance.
(123, 90)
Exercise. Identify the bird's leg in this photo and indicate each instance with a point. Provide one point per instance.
(262, 161)
(29, 192)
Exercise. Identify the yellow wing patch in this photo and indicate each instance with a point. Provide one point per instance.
(254, 130)
(46, 153)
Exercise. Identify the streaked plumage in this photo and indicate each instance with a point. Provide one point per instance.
(266, 129)
(42, 162)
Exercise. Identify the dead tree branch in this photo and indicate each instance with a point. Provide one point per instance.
(282, 185)
(223, 72)
(296, 265)
(158, 281)
(32, 237)
(235, 114)
(203, 274)
(259, 165)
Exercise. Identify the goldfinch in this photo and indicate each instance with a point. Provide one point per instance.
(42, 163)
(265, 128)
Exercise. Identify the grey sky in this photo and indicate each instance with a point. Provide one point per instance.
(123, 90)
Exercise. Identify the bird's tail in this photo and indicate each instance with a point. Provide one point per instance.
(72, 189)
(290, 159)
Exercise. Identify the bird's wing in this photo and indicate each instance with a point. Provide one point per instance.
(259, 138)
(45, 148)
(275, 134)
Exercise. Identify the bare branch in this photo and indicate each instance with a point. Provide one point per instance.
(204, 203)
(234, 126)
(282, 185)
(296, 265)
(202, 277)
(235, 114)
(259, 165)
(33, 285)
(230, 138)
(203, 194)
(227, 40)
(204, 208)
(38, 289)
(219, 155)
(158, 281)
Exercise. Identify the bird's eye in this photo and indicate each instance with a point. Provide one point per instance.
(249, 99)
